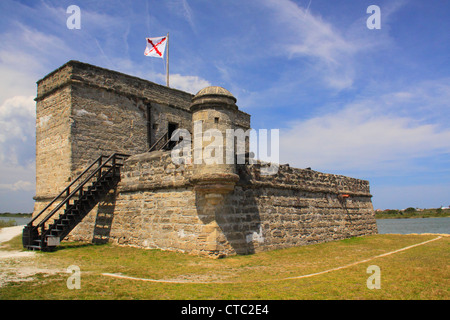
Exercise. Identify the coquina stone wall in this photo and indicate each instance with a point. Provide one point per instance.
(156, 207)
(85, 111)
(300, 206)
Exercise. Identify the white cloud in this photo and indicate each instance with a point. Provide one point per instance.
(17, 172)
(16, 177)
(191, 84)
(18, 106)
(427, 100)
(26, 54)
(16, 79)
(187, 83)
(330, 51)
(18, 186)
(309, 36)
(183, 9)
(17, 119)
(17, 150)
(367, 136)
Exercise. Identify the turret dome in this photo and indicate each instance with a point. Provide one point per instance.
(213, 96)
(214, 91)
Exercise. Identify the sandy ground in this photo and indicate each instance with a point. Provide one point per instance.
(18, 266)
(7, 234)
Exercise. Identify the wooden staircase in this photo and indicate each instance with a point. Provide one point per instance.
(75, 202)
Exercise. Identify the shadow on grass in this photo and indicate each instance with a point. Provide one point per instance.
(76, 245)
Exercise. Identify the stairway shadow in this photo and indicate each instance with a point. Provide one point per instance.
(104, 218)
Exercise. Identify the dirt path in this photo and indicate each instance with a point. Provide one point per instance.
(121, 276)
(18, 265)
(7, 234)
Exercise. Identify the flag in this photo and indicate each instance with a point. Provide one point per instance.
(156, 47)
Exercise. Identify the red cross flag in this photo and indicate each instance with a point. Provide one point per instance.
(156, 47)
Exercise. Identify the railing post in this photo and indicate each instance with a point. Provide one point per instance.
(67, 196)
(99, 165)
(114, 165)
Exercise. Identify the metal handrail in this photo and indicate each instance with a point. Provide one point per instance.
(67, 189)
(165, 135)
(44, 233)
(78, 188)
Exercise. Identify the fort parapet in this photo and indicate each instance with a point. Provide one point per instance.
(84, 111)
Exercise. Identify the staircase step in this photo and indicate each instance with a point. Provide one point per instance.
(33, 247)
(75, 209)
(72, 214)
(54, 234)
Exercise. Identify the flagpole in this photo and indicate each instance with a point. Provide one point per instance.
(167, 62)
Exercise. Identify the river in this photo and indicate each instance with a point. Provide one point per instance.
(414, 225)
(400, 226)
(19, 221)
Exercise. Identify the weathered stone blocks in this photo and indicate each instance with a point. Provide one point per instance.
(84, 111)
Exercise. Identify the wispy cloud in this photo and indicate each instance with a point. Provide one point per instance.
(33, 46)
(188, 14)
(25, 53)
(17, 145)
(191, 84)
(17, 133)
(366, 102)
(184, 10)
(309, 36)
(368, 136)
(331, 51)
(17, 186)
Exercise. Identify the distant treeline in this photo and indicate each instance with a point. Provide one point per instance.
(412, 213)
(15, 215)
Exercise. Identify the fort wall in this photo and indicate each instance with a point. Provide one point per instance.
(157, 207)
(53, 143)
(85, 111)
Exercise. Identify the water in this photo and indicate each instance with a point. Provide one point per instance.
(19, 221)
(417, 225)
(400, 226)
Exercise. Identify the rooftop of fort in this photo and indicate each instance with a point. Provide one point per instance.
(124, 84)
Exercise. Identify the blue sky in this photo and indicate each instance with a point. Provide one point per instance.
(371, 104)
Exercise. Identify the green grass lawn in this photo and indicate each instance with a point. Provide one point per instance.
(418, 273)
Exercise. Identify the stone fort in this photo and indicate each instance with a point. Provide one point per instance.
(104, 173)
